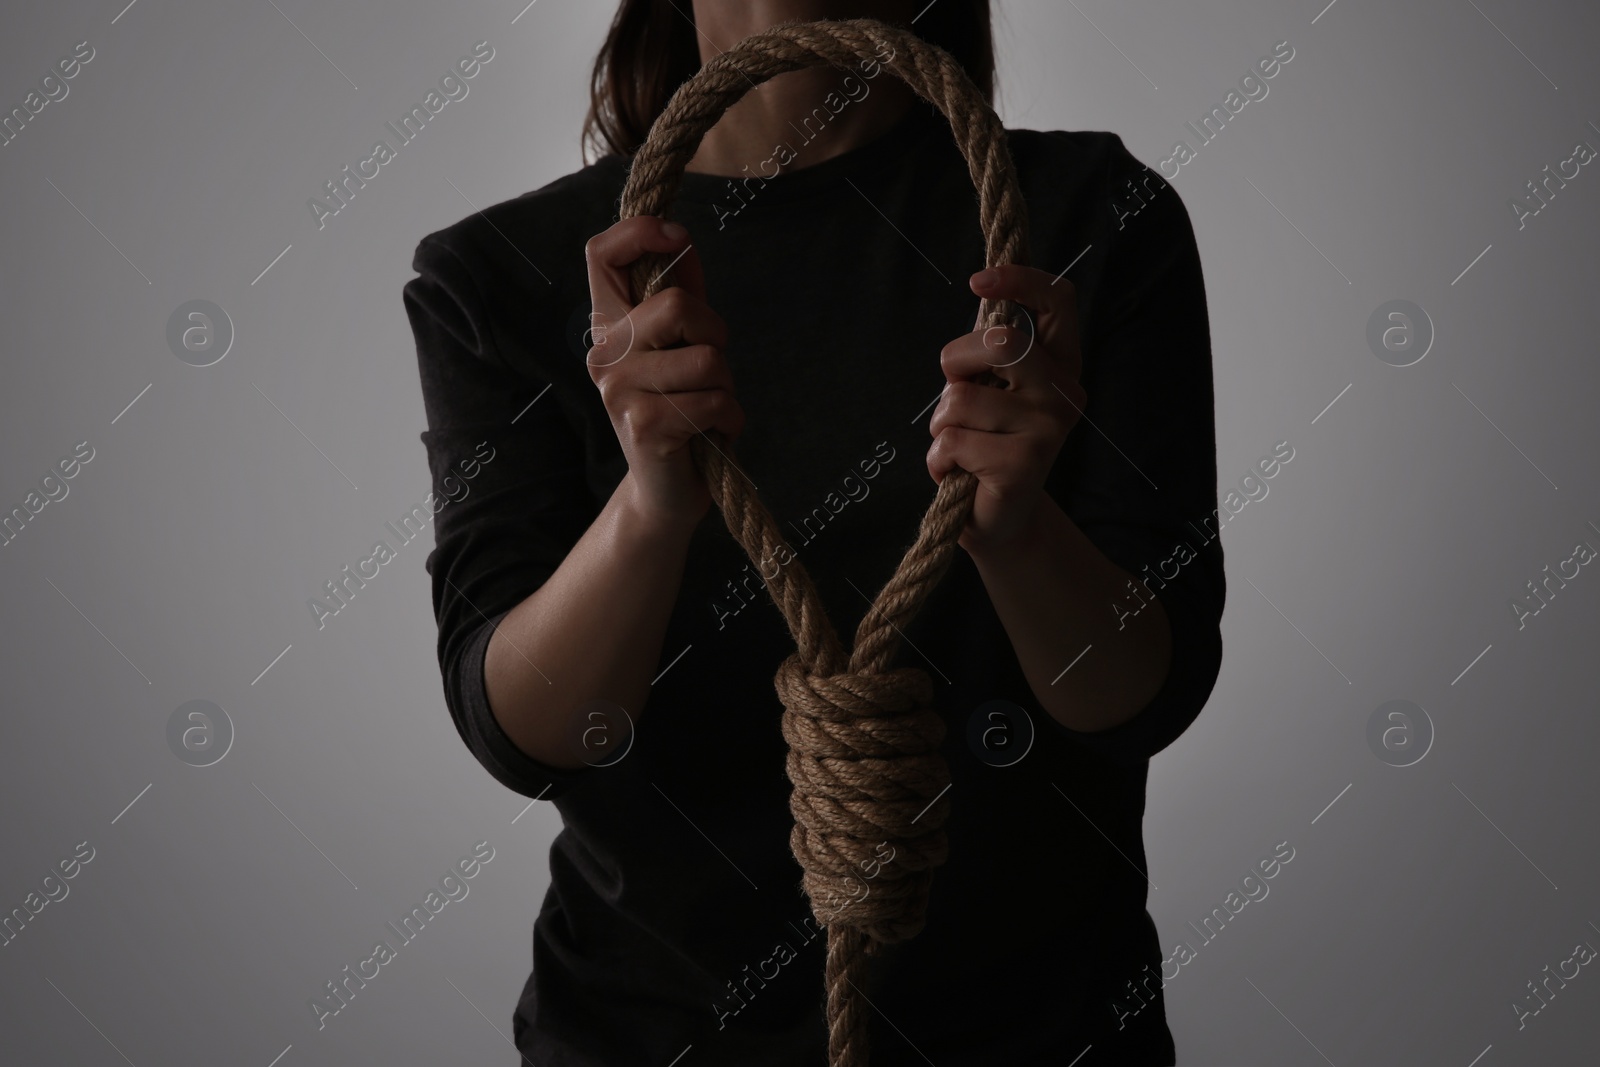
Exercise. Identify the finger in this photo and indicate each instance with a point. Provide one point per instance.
(1050, 299)
(1000, 350)
(682, 415)
(951, 449)
(610, 253)
(981, 407)
(675, 316)
(676, 370)
(999, 461)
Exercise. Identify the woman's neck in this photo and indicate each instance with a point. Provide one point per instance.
(858, 107)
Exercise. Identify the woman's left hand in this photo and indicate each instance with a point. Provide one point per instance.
(1008, 434)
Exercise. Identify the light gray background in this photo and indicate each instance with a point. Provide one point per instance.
(1417, 906)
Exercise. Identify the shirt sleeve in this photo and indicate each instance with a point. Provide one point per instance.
(1140, 477)
(509, 491)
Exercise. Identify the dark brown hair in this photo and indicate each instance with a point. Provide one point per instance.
(652, 49)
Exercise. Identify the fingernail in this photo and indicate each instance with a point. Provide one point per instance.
(985, 279)
(674, 231)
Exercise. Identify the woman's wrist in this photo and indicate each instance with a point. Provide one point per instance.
(639, 518)
(1031, 533)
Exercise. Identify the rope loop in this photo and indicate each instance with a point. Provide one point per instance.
(870, 785)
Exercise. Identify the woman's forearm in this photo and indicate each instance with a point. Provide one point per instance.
(592, 630)
(1054, 591)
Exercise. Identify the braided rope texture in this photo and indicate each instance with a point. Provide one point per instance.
(864, 758)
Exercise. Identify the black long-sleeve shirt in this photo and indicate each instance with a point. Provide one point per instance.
(674, 917)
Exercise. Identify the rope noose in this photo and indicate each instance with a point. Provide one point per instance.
(864, 740)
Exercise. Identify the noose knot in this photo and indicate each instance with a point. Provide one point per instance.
(868, 798)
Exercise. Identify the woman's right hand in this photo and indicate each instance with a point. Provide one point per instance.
(659, 366)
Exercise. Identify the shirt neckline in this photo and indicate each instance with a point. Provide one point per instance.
(920, 120)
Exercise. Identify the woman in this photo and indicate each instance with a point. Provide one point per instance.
(606, 646)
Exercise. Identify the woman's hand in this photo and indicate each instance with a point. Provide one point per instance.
(1009, 434)
(659, 365)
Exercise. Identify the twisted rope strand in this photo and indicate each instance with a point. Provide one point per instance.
(864, 740)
